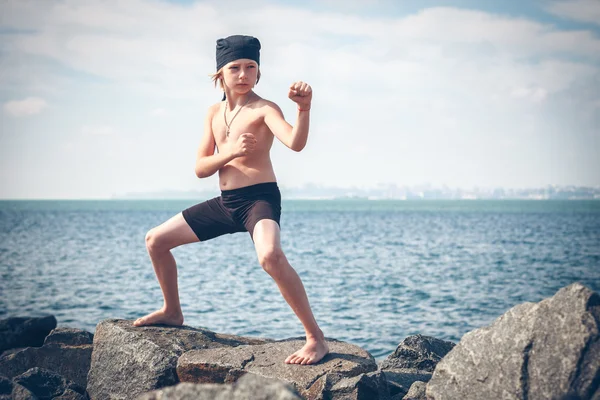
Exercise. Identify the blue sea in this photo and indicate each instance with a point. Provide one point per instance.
(375, 271)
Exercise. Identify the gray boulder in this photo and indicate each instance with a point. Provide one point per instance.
(330, 378)
(66, 351)
(25, 332)
(69, 337)
(248, 387)
(416, 391)
(127, 360)
(400, 380)
(417, 352)
(10, 390)
(45, 384)
(545, 350)
(414, 360)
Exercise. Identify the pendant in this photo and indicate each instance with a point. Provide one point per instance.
(227, 134)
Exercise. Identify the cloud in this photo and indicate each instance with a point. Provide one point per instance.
(160, 112)
(97, 130)
(578, 10)
(28, 106)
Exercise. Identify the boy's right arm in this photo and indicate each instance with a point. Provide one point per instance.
(207, 162)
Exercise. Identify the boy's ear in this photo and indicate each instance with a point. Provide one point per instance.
(257, 77)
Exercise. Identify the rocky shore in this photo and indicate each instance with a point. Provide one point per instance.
(545, 350)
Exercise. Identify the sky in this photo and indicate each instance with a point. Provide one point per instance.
(105, 98)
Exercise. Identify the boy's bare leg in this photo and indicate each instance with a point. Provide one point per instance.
(159, 242)
(268, 248)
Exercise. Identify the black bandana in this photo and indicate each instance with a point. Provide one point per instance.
(235, 47)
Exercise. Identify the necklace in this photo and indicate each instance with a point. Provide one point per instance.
(228, 125)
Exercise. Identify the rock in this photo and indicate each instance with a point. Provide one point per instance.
(545, 350)
(66, 351)
(372, 385)
(414, 360)
(417, 352)
(416, 391)
(400, 380)
(13, 391)
(69, 336)
(147, 356)
(11, 351)
(46, 384)
(225, 365)
(70, 395)
(25, 332)
(248, 387)
(22, 393)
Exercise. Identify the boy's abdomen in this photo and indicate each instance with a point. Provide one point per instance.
(237, 173)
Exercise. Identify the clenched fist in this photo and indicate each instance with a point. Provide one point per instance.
(244, 145)
(301, 93)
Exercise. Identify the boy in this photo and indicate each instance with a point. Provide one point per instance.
(242, 127)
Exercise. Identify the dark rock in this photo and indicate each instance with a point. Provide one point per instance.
(66, 352)
(13, 391)
(147, 356)
(224, 365)
(46, 384)
(25, 332)
(11, 351)
(248, 387)
(416, 391)
(400, 380)
(372, 385)
(417, 352)
(22, 393)
(70, 395)
(544, 350)
(69, 336)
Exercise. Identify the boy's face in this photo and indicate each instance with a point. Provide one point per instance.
(240, 75)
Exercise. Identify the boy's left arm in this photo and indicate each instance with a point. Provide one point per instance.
(293, 137)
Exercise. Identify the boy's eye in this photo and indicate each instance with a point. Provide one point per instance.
(233, 67)
(251, 66)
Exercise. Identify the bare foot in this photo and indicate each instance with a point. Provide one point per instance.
(312, 352)
(160, 317)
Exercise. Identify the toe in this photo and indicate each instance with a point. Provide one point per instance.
(290, 359)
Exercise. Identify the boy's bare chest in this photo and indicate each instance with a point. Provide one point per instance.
(227, 128)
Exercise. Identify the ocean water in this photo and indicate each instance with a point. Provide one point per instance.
(375, 271)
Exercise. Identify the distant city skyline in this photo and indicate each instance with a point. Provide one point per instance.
(106, 98)
(394, 192)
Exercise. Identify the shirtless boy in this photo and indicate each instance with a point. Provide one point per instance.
(242, 128)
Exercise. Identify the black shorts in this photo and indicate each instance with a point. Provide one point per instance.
(236, 210)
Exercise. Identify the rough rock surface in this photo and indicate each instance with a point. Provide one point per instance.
(414, 359)
(225, 365)
(25, 332)
(147, 356)
(417, 352)
(416, 391)
(10, 390)
(66, 351)
(45, 384)
(249, 386)
(546, 350)
(69, 336)
(400, 380)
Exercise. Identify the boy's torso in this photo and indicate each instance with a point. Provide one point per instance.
(255, 167)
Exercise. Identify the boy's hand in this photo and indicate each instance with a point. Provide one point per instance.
(301, 94)
(244, 145)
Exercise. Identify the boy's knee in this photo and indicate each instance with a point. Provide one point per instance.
(153, 241)
(271, 259)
